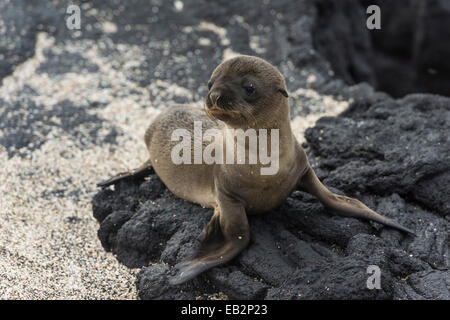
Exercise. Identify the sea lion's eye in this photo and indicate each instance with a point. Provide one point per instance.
(249, 89)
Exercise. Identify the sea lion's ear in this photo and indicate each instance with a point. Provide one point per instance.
(283, 92)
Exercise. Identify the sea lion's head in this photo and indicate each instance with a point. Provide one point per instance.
(245, 91)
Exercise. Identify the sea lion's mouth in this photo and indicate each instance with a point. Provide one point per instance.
(231, 114)
(217, 112)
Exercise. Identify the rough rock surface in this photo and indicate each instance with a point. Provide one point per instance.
(393, 154)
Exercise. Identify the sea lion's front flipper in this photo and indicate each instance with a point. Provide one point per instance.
(141, 172)
(343, 205)
(224, 237)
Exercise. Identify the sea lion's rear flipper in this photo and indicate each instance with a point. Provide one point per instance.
(141, 172)
(342, 205)
(224, 237)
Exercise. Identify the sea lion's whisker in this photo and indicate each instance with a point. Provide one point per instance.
(208, 113)
(255, 121)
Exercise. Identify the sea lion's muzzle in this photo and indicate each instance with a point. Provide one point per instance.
(219, 106)
(223, 102)
(215, 99)
(220, 96)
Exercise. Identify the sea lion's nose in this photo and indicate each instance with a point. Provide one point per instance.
(214, 96)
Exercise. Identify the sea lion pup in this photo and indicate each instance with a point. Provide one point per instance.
(244, 93)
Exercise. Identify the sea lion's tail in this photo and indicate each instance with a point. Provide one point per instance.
(342, 205)
(138, 173)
